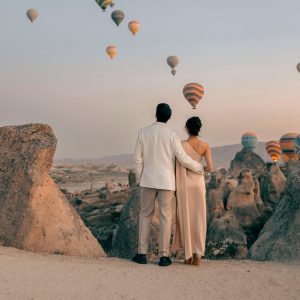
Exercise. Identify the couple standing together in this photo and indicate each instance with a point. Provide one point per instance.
(163, 165)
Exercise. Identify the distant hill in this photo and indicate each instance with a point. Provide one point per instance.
(122, 159)
(222, 156)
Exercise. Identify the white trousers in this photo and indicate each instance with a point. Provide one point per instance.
(165, 201)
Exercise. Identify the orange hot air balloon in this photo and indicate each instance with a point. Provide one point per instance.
(111, 51)
(134, 27)
(287, 144)
(193, 92)
(274, 150)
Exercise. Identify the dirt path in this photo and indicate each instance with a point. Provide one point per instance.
(26, 275)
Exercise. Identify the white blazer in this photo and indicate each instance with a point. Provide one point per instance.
(156, 149)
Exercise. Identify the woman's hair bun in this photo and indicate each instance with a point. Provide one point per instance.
(193, 125)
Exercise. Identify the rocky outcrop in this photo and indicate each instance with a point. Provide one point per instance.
(247, 206)
(218, 190)
(231, 231)
(246, 159)
(225, 238)
(215, 204)
(214, 195)
(125, 243)
(34, 214)
(101, 214)
(280, 237)
(272, 185)
(242, 201)
(131, 178)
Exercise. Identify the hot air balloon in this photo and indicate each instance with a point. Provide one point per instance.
(112, 4)
(298, 67)
(274, 150)
(134, 27)
(193, 92)
(287, 144)
(111, 51)
(104, 3)
(118, 16)
(297, 146)
(32, 14)
(173, 61)
(249, 140)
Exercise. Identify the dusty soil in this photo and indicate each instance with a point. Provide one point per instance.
(25, 275)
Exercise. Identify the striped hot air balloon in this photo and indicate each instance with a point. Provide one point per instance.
(287, 144)
(249, 140)
(297, 146)
(274, 150)
(193, 92)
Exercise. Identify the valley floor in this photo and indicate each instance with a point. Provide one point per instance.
(25, 275)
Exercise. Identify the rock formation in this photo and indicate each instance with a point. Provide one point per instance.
(125, 242)
(272, 184)
(225, 238)
(246, 159)
(131, 178)
(218, 190)
(234, 229)
(214, 195)
(101, 214)
(242, 201)
(280, 237)
(34, 214)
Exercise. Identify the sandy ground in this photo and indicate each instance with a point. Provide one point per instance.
(25, 275)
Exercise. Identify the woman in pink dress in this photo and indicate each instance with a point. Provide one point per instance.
(190, 233)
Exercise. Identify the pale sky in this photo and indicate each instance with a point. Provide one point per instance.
(56, 71)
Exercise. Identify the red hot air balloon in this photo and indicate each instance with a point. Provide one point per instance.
(274, 150)
(193, 92)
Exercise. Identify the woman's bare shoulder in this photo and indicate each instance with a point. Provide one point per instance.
(203, 144)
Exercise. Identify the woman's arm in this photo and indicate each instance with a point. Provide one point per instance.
(208, 160)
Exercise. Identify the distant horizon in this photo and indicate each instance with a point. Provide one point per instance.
(132, 153)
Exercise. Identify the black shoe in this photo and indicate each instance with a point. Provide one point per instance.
(140, 259)
(165, 261)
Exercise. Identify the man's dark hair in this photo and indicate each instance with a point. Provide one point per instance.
(163, 112)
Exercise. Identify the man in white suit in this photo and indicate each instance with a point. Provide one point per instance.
(156, 149)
